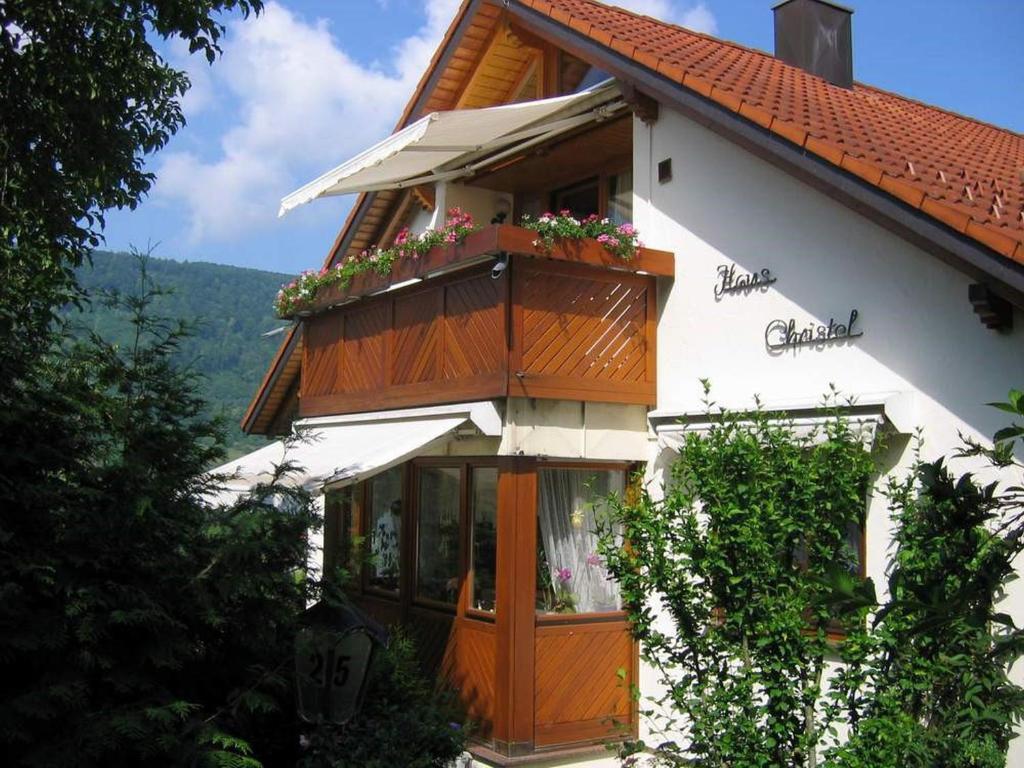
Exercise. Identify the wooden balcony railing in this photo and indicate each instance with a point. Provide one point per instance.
(492, 241)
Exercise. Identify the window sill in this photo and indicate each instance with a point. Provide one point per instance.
(580, 618)
(490, 757)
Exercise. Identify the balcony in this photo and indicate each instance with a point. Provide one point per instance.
(480, 246)
(575, 323)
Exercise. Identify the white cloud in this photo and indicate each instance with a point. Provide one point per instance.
(696, 17)
(300, 105)
(700, 19)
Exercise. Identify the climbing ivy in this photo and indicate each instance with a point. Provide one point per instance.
(927, 684)
(771, 647)
(724, 577)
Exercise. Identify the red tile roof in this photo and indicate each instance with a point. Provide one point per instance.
(963, 172)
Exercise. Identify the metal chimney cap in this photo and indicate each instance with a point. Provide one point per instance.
(837, 6)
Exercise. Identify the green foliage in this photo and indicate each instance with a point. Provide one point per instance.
(736, 555)
(86, 98)
(404, 721)
(927, 685)
(301, 293)
(138, 625)
(228, 308)
(620, 240)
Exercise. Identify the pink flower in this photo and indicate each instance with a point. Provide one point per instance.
(565, 212)
(402, 237)
(627, 229)
(605, 239)
(593, 559)
(564, 575)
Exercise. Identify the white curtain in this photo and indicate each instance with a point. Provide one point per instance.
(569, 504)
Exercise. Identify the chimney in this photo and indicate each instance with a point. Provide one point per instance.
(816, 36)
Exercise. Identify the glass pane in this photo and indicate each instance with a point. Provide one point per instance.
(385, 531)
(580, 200)
(620, 198)
(338, 528)
(485, 538)
(437, 561)
(571, 575)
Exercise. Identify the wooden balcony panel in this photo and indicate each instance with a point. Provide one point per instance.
(579, 695)
(490, 241)
(439, 342)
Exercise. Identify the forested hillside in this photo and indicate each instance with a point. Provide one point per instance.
(232, 309)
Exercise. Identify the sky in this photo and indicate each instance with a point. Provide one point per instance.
(309, 83)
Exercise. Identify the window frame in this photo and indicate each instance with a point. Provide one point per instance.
(548, 198)
(366, 494)
(461, 607)
(630, 478)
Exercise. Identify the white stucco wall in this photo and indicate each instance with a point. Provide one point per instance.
(921, 337)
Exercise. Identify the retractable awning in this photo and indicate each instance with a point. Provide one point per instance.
(340, 450)
(447, 145)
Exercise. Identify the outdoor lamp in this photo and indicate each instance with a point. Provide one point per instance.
(332, 655)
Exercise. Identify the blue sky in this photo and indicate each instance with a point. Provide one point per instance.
(311, 82)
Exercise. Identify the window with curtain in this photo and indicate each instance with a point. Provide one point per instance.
(384, 529)
(438, 517)
(484, 532)
(571, 575)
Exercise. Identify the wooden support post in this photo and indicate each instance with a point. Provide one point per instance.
(515, 622)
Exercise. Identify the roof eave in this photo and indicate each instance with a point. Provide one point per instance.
(1005, 275)
(270, 379)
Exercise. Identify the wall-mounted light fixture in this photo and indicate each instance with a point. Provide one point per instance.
(500, 265)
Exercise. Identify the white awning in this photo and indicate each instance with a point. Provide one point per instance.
(419, 153)
(340, 450)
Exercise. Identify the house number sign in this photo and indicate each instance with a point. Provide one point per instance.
(783, 334)
(730, 282)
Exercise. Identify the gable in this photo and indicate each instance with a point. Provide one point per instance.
(951, 185)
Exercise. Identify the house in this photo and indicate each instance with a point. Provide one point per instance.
(799, 229)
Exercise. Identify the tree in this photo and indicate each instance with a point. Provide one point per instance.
(140, 624)
(722, 581)
(745, 560)
(86, 98)
(927, 680)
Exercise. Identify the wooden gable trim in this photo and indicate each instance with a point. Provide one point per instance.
(271, 378)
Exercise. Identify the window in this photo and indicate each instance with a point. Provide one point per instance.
(620, 198)
(338, 510)
(385, 530)
(581, 199)
(484, 538)
(571, 576)
(438, 514)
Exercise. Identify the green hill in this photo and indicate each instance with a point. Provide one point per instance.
(233, 308)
